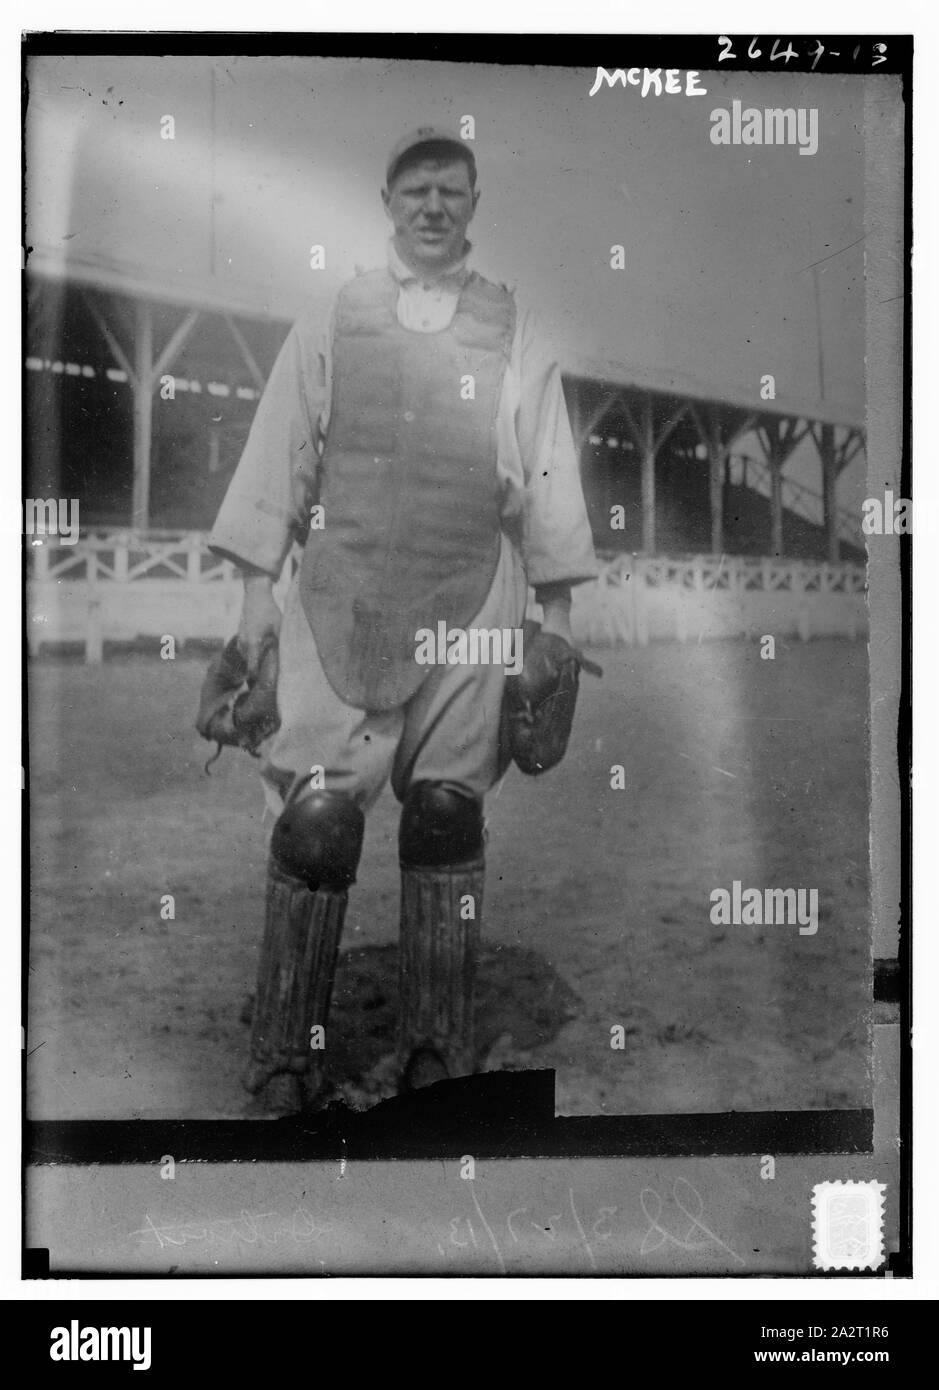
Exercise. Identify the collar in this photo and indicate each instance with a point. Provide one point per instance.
(453, 278)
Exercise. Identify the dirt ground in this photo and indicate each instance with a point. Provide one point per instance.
(597, 910)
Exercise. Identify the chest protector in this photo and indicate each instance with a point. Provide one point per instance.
(409, 485)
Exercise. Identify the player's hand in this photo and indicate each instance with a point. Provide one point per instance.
(260, 617)
(556, 607)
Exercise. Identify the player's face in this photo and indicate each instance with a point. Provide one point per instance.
(431, 205)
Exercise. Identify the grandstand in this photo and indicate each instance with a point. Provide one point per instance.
(147, 347)
(664, 471)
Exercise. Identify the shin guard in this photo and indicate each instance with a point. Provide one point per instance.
(297, 966)
(440, 923)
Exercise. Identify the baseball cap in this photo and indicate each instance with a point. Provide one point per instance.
(427, 135)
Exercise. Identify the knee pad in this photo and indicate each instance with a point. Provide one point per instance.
(439, 826)
(319, 840)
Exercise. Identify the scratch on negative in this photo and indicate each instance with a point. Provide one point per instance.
(721, 770)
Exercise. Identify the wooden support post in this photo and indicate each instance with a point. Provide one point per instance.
(803, 609)
(38, 597)
(776, 506)
(121, 559)
(780, 437)
(143, 413)
(193, 557)
(718, 439)
(649, 442)
(143, 374)
(94, 634)
(768, 433)
(717, 458)
(825, 442)
(39, 555)
(648, 479)
(640, 599)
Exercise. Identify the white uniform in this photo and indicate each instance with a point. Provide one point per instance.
(449, 730)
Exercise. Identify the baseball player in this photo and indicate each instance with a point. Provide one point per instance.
(423, 419)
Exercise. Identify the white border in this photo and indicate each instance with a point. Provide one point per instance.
(506, 16)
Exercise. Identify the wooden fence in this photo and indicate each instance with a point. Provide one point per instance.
(121, 586)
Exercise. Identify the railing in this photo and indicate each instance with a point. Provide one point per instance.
(735, 573)
(745, 471)
(123, 556)
(120, 586)
(642, 598)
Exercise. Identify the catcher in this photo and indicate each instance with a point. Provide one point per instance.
(422, 426)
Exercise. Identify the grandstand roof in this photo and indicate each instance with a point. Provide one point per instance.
(672, 383)
(185, 289)
(265, 302)
(272, 155)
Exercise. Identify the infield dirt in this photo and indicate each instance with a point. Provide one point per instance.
(597, 908)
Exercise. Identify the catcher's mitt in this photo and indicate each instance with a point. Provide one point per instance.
(239, 720)
(539, 703)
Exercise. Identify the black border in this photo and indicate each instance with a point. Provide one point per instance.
(490, 1116)
(699, 52)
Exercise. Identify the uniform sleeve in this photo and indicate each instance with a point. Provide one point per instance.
(277, 476)
(557, 543)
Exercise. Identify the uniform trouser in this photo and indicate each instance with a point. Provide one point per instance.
(449, 732)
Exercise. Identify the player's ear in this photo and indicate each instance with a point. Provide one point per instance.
(386, 200)
(476, 196)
